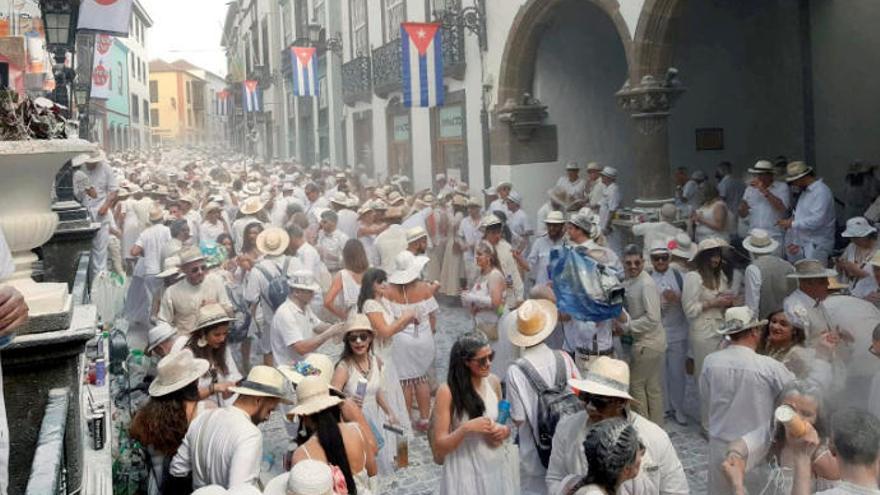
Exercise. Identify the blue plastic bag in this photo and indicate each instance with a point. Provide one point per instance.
(584, 288)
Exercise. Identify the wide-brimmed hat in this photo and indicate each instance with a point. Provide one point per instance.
(858, 227)
(530, 323)
(211, 315)
(177, 370)
(582, 221)
(796, 170)
(170, 267)
(394, 198)
(190, 254)
(158, 334)
(358, 322)
(594, 166)
(303, 280)
(366, 208)
(682, 246)
(96, 156)
(252, 189)
(504, 183)
(407, 268)
(707, 245)
(489, 221)
(156, 213)
(555, 217)
(186, 198)
(313, 396)
(314, 364)
(572, 165)
(738, 319)
(609, 172)
(415, 234)
(515, 197)
(559, 196)
(262, 381)
(213, 206)
(251, 205)
(459, 200)
(306, 477)
(273, 241)
(811, 269)
(474, 202)
(658, 247)
(606, 377)
(340, 198)
(762, 167)
(759, 242)
(463, 188)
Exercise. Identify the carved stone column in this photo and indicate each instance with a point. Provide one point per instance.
(649, 104)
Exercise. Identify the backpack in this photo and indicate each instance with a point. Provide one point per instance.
(277, 290)
(241, 323)
(553, 403)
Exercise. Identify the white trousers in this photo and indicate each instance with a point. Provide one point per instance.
(675, 379)
(99, 249)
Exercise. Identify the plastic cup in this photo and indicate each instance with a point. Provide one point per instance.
(793, 422)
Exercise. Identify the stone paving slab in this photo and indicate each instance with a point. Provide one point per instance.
(422, 476)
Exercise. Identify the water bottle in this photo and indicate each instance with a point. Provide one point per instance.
(503, 412)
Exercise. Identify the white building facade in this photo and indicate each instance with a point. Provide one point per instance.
(138, 77)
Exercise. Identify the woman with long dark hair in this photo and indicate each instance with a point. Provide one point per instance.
(208, 341)
(466, 437)
(759, 465)
(342, 445)
(485, 301)
(345, 287)
(249, 241)
(161, 423)
(614, 454)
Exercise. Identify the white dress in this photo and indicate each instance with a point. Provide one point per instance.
(707, 213)
(370, 407)
(487, 317)
(382, 348)
(474, 467)
(413, 349)
(347, 298)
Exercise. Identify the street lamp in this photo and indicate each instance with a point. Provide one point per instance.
(59, 20)
(318, 38)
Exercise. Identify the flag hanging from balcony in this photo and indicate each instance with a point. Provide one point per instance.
(251, 96)
(422, 64)
(105, 16)
(222, 103)
(304, 61)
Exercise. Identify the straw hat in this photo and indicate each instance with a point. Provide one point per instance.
(96, 156)
(366, 208)
(190, 254)
(186, 198)
(177, 370)
(474, 202)
(531, 323)
(582, 221)
(760, 242)
(340, 198)
(811, 269)
(395, 212)
(682, 246)
(606, 377)
(358, 322)
(303, 280)
(558, 196)
(156, 213)
(858, 227)
(555, 217)
(834, 284)
(313, 396)
(252, 189)
(170, 267)
(659, 247)
(273, 241)
(572, 165)
(415, 234)
(463, 188)
(796, 170)
(609, 172)
(407, 268)
(395, 198)
(708, 244)
(306, 477)
(313, 365)
(262, 381)
(738, 319)
(762, 167)
(504, 183)
(594, 166)
(158, 334)
(515, 197)
(213, 206)
(211, 315)
(251, 205)
(489, 221)
(459, 200)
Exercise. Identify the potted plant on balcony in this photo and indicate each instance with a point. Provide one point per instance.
(34, 145)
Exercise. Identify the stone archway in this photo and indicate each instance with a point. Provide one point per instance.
(654, 39)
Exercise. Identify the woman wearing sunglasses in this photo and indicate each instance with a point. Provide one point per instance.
(360, 375)
(466, 438)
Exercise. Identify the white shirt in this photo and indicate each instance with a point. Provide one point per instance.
(310, 259)
(572, 189)
(609, 204)
(762, 215)
(104, 181)
(674, 320)
(330, 248)
(469, 231)
(846, 488)
(152, 241)
(518, 223)
(661, 470)
(524, 403)
(689, 195)
(209, 232)
(500, 205)
(221, 447)
(797, 302)
(731, 191)
(814, 214)
(597, 192)
(540, 225)
(347, 223)
(182, 301)
(290, 325)
(752, 294)
(539, 257)
(256, 284)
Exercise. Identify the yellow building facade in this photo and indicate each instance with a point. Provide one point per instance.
(177, 103)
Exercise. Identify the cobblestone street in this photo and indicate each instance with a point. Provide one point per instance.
(422, 475)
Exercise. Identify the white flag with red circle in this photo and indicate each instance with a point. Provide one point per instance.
(101, 69)
(105, 16)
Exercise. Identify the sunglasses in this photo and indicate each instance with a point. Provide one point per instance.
(197, 269)
(597, 401)
(359, 337)
(660, 258)
(485, 360)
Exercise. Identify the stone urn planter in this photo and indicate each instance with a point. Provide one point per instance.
(27, 176)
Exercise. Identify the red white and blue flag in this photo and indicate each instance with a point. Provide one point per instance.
(304, 61)
(422, 64)
(222, 102)
(251, 96)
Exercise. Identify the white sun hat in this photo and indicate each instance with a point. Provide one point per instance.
(606, 377)
(760, 242)
(858, 227)
(407, 268)
(176, 371)
(306, 477)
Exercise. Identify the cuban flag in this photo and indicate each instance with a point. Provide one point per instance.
(222, 102)
(422, 64)
(251, 96)
(304, 61)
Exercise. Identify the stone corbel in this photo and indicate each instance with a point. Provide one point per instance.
(650, 102)
(523, 116)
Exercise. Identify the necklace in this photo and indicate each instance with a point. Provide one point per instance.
(361, 369)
